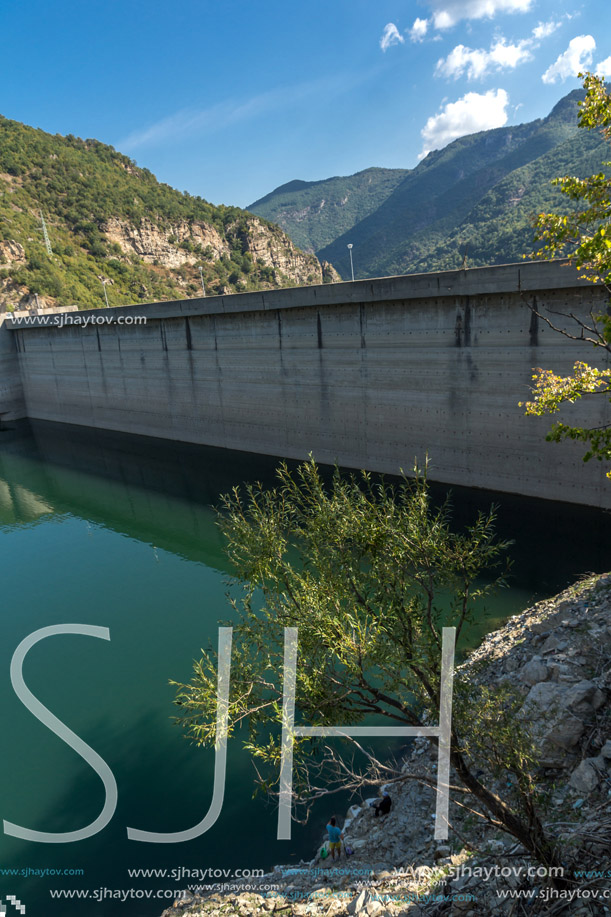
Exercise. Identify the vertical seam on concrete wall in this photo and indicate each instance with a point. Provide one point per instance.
(533, 330)
(467, 322)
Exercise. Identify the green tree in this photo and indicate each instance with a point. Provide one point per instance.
(583, 235)
(369, 574)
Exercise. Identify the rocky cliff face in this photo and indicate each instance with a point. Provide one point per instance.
(275, 250)
(184, 242)
(155, 245)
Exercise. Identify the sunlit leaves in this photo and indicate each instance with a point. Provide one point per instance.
(551, 390)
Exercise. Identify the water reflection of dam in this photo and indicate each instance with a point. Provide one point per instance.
(151, 490)
(163, 494)
(87, 475)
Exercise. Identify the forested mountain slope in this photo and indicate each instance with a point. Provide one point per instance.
(317, 212)
(477, 195)
(112, 224)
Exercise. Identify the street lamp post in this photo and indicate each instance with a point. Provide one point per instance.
(201, 274)
(351, 264)
(104, 282)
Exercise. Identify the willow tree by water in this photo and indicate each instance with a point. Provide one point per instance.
(369, 574)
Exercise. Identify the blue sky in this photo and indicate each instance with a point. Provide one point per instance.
(229, 99)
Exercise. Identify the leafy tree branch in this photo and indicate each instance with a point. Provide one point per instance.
(584, 237)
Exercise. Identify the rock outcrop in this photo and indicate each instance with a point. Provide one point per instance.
(156, 245)
(12, 252)
(273, 248)
(185, 242)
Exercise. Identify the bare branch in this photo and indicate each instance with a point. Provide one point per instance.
(597, 339)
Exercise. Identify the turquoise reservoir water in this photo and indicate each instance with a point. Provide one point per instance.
(118, 532)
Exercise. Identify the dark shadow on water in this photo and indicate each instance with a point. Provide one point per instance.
(162, 492)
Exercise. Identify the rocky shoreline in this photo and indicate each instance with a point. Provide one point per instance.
(556, 655)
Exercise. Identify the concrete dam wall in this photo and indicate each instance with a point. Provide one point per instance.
(372, 374)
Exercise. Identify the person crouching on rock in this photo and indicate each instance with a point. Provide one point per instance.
(383, 806)
(335, 838)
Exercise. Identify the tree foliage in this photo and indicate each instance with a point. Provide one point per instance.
(369, 574)
(583, 235)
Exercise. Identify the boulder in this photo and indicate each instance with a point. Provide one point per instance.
(511, 664)
(442, 851)
(359, 843)
(358, 904)
(553, 725)
(584, 697)
(534, 671)
(585, 777)
(553, 644)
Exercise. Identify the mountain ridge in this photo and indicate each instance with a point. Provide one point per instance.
(366, 195)
(425, 218)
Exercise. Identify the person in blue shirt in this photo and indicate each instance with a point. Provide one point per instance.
(335, 838)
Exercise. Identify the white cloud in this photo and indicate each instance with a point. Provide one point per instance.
(477, 63)
(502, 55)
(390, 36)
(577, 57)
(544, 29)
(604, 68)
(507, 56)
(472, 113)
(419, 29)
(443, 19)
(461, 59)
(446, 13)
